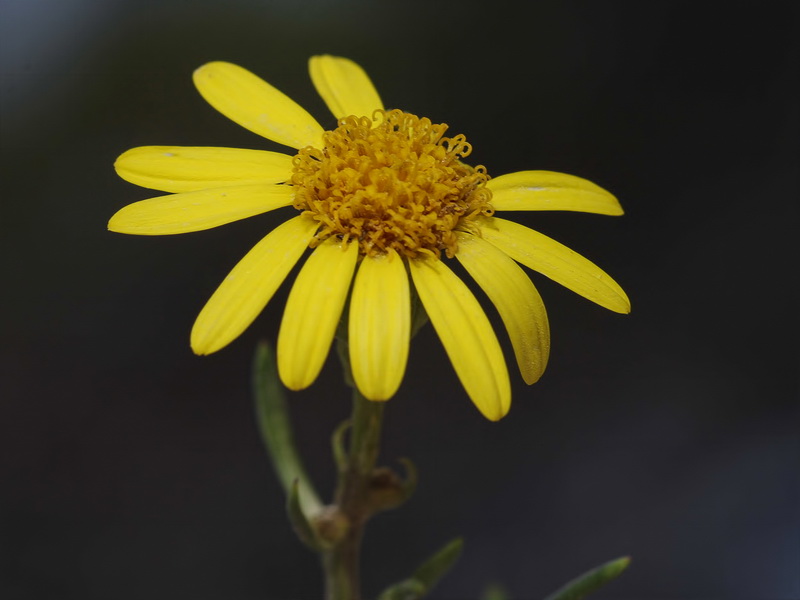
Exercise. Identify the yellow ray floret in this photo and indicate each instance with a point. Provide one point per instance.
(249, 286)
(256, 105)
(344, 86)
(516, 299)
(466, 335)
(379, 325)
(546, 190)
(312, 312)
(196, 211)
(191, 168)
(556, 261)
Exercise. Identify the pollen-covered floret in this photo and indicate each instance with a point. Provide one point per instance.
(391, 182)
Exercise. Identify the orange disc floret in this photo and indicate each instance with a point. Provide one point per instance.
(391, 182)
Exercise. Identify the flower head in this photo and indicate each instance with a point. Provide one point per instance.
(383, 195)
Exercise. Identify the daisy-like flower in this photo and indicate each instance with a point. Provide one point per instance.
(383, 196)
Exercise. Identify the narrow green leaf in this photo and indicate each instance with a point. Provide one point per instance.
(298, 519)
(276, 431)
(582, 586)
(426, 576)
(494, 591)
(410, 589)
(433, 569)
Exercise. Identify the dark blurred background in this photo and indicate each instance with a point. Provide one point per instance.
(131, 468)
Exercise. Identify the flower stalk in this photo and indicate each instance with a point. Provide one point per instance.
(353, 500)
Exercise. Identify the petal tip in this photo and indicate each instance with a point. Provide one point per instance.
(207, 71)
(291, 382)
(122, 157)
(199, 346)
(497, 405)
(378, 391)
(204, 341)
(624, 307)
(205, 67)
(116, 224)
(200, 71)
(530, 379)
(377, 396)
(616, 209)
(495, 416)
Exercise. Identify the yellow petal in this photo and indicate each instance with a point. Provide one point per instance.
(249, 286)
(256, 105)
(344, 86)
(190, 168)
(379, 325)
(312, 312)
(466, 335)
(556, 261)
(196, 211)
(519, 304)
(547, 190)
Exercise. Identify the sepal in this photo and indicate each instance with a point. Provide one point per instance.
(427, 575)
(585, 584)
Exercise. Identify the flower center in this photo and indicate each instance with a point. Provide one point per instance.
(391, 182)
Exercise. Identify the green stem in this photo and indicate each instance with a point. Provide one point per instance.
(341, 563)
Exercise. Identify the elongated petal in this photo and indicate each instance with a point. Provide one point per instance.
(196, 211)
(312, 312)
(249, 286)
(547, 190)
(519, 304)
(380, 325)
(556, 261)
(344, 86)
(256, 105)
(466, 335)
(190, 168)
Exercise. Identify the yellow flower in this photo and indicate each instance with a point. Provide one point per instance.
(383, 195)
